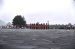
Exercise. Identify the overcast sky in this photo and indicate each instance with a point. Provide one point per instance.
(54, 11)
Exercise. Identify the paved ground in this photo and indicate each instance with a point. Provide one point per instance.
(37, 39)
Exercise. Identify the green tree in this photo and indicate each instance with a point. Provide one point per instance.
(19, 21)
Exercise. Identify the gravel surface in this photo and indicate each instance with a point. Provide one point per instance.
(37, 39)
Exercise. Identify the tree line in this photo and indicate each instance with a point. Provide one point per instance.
(19, 22)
